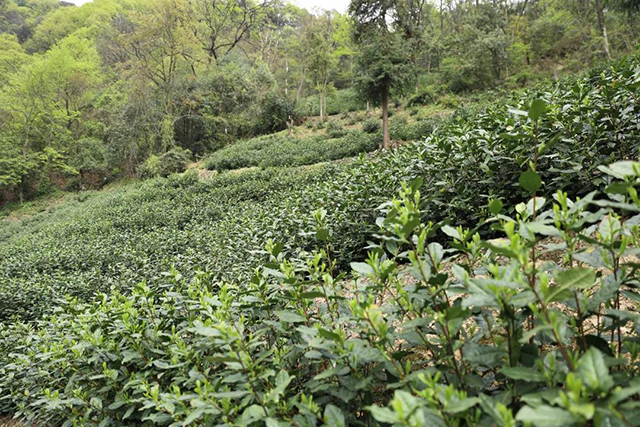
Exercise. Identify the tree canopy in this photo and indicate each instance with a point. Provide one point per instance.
(97, 90)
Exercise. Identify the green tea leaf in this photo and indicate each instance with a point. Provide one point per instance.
(573, 279)
(545, 416)
(383, 415)
(362, 268)
(290, 317)
(450, 231)
(495, 206)
(537, 109)
(333, 416)
(524, 374)
(593, 371)
(530, 181)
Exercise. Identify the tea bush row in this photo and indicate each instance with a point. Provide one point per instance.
(281, 150)
(475, 156)
(477, 332)
(117, 239)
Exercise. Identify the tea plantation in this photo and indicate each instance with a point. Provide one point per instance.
(485, 275)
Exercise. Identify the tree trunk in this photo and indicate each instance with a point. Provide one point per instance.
(323, 97)
(603, 28)
(386, 143)
(300, 86)
(286, 76)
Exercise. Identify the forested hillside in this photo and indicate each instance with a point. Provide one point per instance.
(126, 87)
(243, 213)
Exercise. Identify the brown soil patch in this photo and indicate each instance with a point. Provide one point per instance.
(7, 421)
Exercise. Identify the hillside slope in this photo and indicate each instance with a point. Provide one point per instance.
(124, 236)
(269, 331)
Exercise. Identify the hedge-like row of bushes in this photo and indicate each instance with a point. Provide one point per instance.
(284, 150)
(120, 238)
(482, 333)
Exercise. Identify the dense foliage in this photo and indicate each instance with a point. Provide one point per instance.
(486, 274)
(484, 333)
(120, 238)
(288, 150)
(173, 161)
(93, 92)
(479, 155)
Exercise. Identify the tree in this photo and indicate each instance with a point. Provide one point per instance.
(221, 25)
(344, 50)
(603, 27)
(383, 68)
(296, 51)
(74, 71)
(383, 63)
(321, 59)
(12, 57)
(43, 106)
(160, 52)
(65, 20)
(414, 20)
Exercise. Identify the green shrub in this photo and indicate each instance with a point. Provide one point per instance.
(243, 154)
(474, 304)
(425, 96)
(449, 101)
(371, 126)
(401, 129)
(151, 167)
(340, 101)
(120, 237)
(335, 129)
(173, 161)
(276, 111)
(284, 150)
(477, 155)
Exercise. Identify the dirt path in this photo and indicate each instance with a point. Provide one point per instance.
(6, 421)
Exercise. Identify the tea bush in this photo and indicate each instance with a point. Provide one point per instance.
(477, 332)
(401, 129)
(371, 126)
(120, 237)
(426, 95)
(283, 150)
(335, 130)
(478, 155)
(117, 239)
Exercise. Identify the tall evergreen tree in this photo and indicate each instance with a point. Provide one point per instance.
(384, 64)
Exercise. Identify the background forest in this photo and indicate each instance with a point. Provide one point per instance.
(123, 87)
